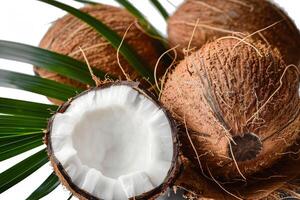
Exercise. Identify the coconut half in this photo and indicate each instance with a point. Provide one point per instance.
(113, 142)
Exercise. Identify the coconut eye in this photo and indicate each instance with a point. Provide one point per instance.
(245, 147)
(112, 143)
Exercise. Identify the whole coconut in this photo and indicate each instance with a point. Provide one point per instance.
(240, 103)
(217, 18)
(69, 33)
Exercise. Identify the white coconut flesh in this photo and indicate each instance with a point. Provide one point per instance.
(113, 143)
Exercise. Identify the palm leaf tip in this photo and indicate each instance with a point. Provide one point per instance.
(142, 19)
(45, 188)
(87, 2)
(160, 8)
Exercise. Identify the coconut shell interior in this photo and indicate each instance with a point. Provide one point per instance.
(173, 172)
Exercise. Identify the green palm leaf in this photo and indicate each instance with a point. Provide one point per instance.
(45, 188)
(51, 61)
(151, 30)
(7, 121)
(128, 53)
(13, 145)
(22, 122)
(9, 140)
(26, 108)
(20, 171)
(87, 1)
(8, 131)
(21, 148)
(37, 85)
(160, 8)
(142, 19)
(135, 12)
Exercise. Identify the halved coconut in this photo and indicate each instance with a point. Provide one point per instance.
(113, 142)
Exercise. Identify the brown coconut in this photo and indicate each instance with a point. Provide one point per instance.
(282, 177)
(69, 33)
(240, 103)
(219, 18)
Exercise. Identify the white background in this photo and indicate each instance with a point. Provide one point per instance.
(26, 21)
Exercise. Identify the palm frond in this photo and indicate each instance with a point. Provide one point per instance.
(87, 2)
(51, 61)
(7, 121)
(142, 19)
(9, 131)
(45, 188)
(149, 28)
(13, 145)
(20, 171)
(26, 108)
(37, 85)
(160, 8)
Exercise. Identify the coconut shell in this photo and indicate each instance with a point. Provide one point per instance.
(241, 106)
(194, 185)
(289, 190)
(218, 18)
(173, 173)
(282, 177)
(69, 33)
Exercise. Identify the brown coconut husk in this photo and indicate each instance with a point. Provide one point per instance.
(281, 178)
(68, 34)
(225, 92)
(290, 190)
(217, 18)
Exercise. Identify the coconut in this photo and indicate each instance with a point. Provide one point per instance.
(69, 33)
(240, 104)
(114, 142)
(259, 18)
(283, 177)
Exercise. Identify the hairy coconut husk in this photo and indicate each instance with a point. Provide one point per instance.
(194, 185)
(69, 33)
(290, 190)
(240, 103)
(272, 183)
(217, 18)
